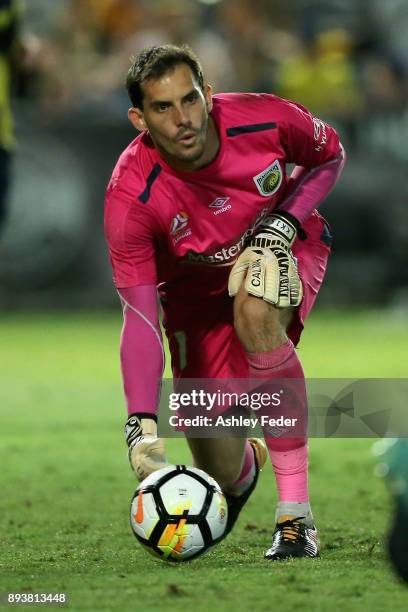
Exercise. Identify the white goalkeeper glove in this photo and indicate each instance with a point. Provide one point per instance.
(146, 451)
(268, 264)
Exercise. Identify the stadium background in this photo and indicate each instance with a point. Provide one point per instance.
(346, 60)
(65, 482)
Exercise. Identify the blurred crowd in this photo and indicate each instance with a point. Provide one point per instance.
(341, 58)
(346, 60)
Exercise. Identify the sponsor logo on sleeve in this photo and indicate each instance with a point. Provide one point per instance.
(179, 222)
(269, 180)
(319, 134)
(178, 227)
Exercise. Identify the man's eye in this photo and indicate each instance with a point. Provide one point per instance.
(191, 98)
(162, 107)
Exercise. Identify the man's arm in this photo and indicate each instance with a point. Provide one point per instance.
(130, 230)
(308, 188)
(141, 349)
(267, 265)
(142, 362)
(315, 148)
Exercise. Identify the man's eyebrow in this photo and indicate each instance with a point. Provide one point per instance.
(159, 102)
(190, 93)
(155, 103)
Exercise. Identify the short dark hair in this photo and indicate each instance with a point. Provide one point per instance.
(154, 62)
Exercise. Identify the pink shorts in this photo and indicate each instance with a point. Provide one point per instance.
(205, 344)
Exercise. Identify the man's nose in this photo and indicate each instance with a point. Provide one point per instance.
(181, 116)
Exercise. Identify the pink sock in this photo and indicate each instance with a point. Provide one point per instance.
(290, 469)
(281, 369)
(281, 362)
(288, 454)
(247, 473)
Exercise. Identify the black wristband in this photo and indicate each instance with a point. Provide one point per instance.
(286, 215)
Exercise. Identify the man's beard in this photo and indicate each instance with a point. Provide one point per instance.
(191, 155)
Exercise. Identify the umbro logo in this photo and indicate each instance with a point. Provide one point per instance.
(220, 204)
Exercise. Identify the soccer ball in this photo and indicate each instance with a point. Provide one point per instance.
(178, 512)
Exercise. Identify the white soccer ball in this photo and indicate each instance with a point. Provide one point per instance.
(179, 512)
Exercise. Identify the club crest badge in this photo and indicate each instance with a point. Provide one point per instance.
(269, 180)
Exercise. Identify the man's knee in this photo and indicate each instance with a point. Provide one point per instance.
(254, 313)
(258, 324)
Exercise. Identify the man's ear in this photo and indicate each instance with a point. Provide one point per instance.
(208, 91)
(136, 118)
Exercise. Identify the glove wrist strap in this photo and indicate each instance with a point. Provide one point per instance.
(280, 225)
(139, 425)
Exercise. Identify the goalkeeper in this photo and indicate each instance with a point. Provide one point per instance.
(200, 211)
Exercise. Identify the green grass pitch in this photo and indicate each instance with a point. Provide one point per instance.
(66, 484)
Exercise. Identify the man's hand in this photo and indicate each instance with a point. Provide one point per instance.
(269, 266)
(146, 451)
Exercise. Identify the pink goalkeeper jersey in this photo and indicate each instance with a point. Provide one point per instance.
(160, 224)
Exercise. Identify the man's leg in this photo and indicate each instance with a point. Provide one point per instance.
(235, 465)
(221, 458)
(261, 329)
(204, 345)
(395, 460)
